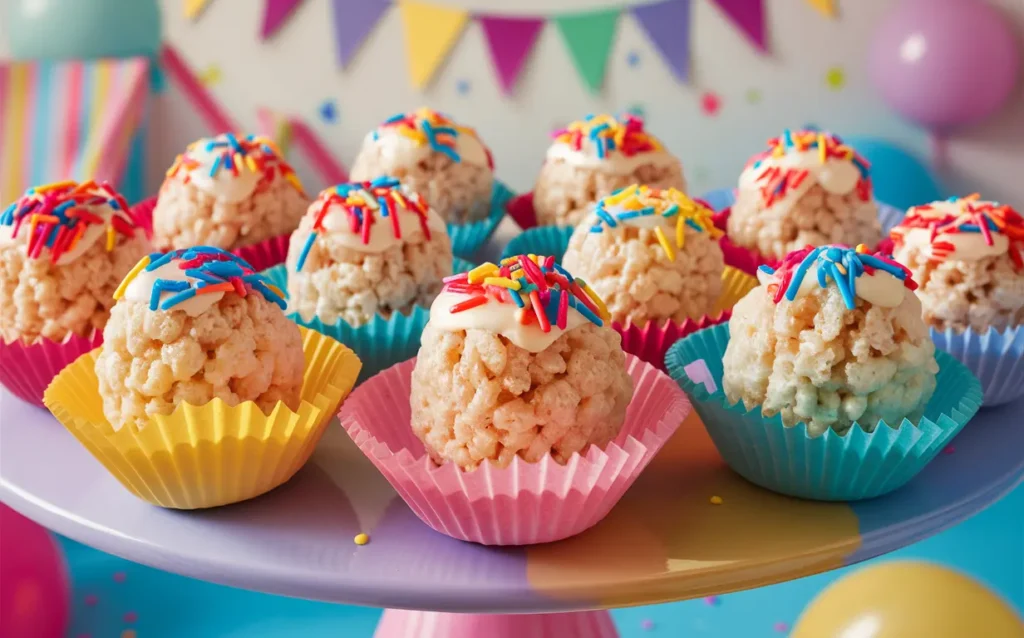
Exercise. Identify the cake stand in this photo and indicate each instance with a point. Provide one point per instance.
(665, 541)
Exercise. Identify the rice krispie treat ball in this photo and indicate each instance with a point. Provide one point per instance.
(193, 325)
(831, 337)
(808, 188)
(446, 163)
(516, 360)
(365, 249)
(63, 250)
(227, 192)
(595, 157)
(651, 254)
(968, 256)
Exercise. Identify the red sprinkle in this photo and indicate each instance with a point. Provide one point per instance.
(472, 302)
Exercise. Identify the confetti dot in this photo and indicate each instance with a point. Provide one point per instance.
(753, 96)
(120, 577)
(647, 625)
(710, 103)
(210, 75)
(131, 617)
(329, 111)
(716, 500)
(91, 600)
(949, 449)
(633, 59)
(361, 539)
(128, 633)
(711, 601)
(637, 110)
(781, 627)
(835, 78)
(462, 87)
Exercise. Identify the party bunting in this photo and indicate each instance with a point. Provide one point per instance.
(510, 41)
(748, 15)
(194, 7)
(668, 26)
(430, 34)
(826, 8)
(589, 38)
(275, 12)
(353, 21)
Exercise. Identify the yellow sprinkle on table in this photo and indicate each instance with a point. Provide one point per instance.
(128, 633)
(716, 500)
(361, 539)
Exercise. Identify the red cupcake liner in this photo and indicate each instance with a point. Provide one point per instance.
(650, 342)
(262, 255)
(520, 208)
(27, 369)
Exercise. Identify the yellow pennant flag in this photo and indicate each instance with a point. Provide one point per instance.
(194, 7)
(827, 8)
(430, 34)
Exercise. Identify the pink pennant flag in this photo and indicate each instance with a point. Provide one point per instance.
(510, 41)
(275, 12)
(748, 15)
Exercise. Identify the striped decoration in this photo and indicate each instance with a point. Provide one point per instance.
(62, 120)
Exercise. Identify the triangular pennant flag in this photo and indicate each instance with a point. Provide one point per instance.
(589, 38)
(748, 15)
(430, 34)
(826, 8)
(194, 7)
(353, 21)
(275, 12)
(510, 41)
(668, 26)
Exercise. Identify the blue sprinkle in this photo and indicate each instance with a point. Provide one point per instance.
(629, 214)
(970, 228)
(305, 252)
(269, 294)
(225, 269)
(235, 146)
(216, 166)
(384, 209)
(395, 118)
(551, 309)
(196, 273)
(159, 259)
(516, 298)
(694, 225)
(768, 270)
(583, 310)
(671, 210)
(176, 299)
(605, 217)
(787, 137)
(801, 272)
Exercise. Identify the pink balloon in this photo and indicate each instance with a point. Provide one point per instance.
(34, 596)
(945, 63)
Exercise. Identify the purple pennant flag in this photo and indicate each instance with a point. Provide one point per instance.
(748, 15)
(353, 21)
(510, 41)
(668, 26)
(275, 12)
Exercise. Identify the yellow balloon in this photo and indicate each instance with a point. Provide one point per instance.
(903, 599)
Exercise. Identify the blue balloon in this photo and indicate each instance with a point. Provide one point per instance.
(899, 177)
(82, 29)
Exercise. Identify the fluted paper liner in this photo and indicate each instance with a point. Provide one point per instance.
(830, 467)
(540, 240)
(261, 255)
(524, 503)
(207, 455)
(379, 344)
(996, 357)
(520, 208)
(27, 368)
(468, 238)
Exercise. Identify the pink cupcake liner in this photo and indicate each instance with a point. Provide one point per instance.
(650, 342)
(27, 369)
(499, 506)
(399, 623)
(265, 254)
(739, 257)
(520, 208)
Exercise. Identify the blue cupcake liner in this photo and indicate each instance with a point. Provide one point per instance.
(379, 344)
(540, 240)
(468, 238)
(831, 467)
(995, 357)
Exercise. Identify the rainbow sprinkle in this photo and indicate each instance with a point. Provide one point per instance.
(838, 263)
(778, 181)
(362, 202)
(974, 216)
(58, 215)
(208, 270)
(541, 290)
(427, 127)
(609, 134)
(253, 153)
(642, 201)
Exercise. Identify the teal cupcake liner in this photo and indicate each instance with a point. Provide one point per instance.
(468, 238)
(540, 240)
(831, 467)
(379, 344)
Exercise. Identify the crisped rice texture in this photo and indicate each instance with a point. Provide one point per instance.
(630, 271)
(477, 397)
(961, 294)
(816, 218)
(815, 361)
(187, 216)
(564, 193)
(40, 299)
(337, 282)
(241, 349)
(460, 192)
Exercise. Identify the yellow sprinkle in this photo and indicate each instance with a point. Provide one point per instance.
(295, 182)
(664, 243)
(535, 259)
(131, 275)
(619, 197)
(779, 151)
(481, 272)
(508, 260)
(518, 274)
(238, 160)
(822, 151)
(277, 291)
(680, 231)
(46, 188)
(601, 307)
(716, 500)
(861, 249)
(361, 539)
(849, 154)
(412, 134)
(503, 282)
(840, 268)
(251, 163)
(400, 199)
(110, 238)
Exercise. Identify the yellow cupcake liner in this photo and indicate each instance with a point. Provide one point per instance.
(735, 286)
(208, 455)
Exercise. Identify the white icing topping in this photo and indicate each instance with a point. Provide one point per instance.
(140, 289)
(837, 176)
(614, 162)
(224, 185)
(498, 318)
(879, 289)
(966, 246)
(397, 149)
(92, 234)
(382, 234)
